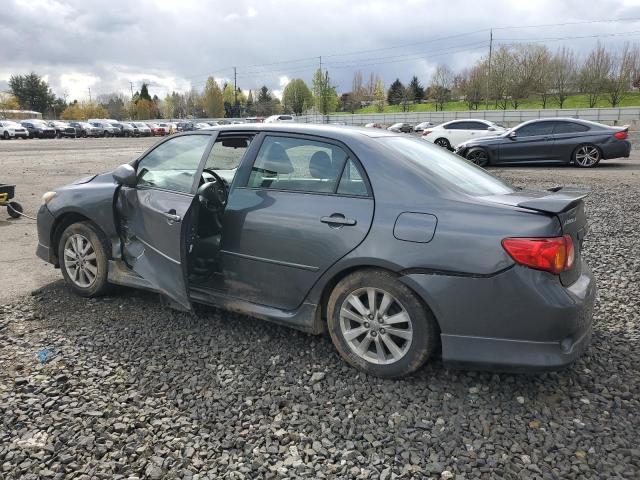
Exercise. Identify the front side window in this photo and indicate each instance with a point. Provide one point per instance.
(537, 128)
(455, 126)
(297, 164)
(173, 164)
(227, 153)
(477, 126)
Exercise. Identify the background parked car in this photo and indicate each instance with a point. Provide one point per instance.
(450, 134)
(185, 126)
(401, 127)
(557, 140)
(143, 129)
(255, 119)
(201, 125)
(9, 129)
(373, 125)
(38, 129)
(422, 126)
(63, 129)
(279, 119)
(129, 130)
(85, 129)
(156, 130)
(108, 130)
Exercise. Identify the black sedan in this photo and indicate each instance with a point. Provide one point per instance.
(63, 129)
(557, 140)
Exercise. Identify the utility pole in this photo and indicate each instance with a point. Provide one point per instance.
(90, 95)
(131, 109)
(486, 98)
(235, 92)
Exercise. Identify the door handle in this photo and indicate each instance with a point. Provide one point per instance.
(338, 219)
(171, 216)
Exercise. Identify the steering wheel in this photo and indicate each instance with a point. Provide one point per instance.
(214, 191)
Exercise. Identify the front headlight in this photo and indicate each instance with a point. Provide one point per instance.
(47, 197)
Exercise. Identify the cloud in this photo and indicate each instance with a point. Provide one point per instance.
(79, 44)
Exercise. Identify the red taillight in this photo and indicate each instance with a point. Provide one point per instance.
(621, 135)
(553, 255)
(426, 132)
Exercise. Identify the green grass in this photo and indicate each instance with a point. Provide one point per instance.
(574, 101)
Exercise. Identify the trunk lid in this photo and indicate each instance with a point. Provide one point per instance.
(567, 205)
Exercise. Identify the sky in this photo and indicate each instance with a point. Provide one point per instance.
(114, 46)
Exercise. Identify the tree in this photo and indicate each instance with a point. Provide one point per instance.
(212, 99)
(250, 105)
(594, 74)
(296, 96)
(144, 92)
(378, 94)
(501, 72)
(266, 105)
(563, 74)
(8, 102)
(114, 104)
(472, 85)
(395, 93)
(544, 88)
(624, 64)
(415, 90)
(324, 94)
(83, 111)
(440, 87)
(524, 72)
(358, 90)
(32, 92)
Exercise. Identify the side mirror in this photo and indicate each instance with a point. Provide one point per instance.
(492, 129)
(512, 134)
(125, 175)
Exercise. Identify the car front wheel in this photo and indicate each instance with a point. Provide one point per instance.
(379, 325)
(82, 253)
(479, 156)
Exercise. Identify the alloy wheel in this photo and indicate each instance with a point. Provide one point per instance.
(376, 326)
(442, 142)
(479, 157)
(587, 156)
(80, 260)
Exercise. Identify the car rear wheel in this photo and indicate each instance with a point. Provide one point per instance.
(479, 156)
(586, 156)
(5, 135)
(82, 253)
(379, 325)
(443, 142)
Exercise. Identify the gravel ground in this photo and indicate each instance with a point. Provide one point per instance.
(137, 390)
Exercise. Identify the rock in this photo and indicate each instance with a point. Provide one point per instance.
(520, 400)
(317, 376)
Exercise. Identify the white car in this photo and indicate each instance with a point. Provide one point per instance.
(450, 134)
(9, 129)
(201, 125)
(143, 130)
(279, 118)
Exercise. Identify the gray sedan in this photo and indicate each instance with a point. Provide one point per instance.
(394, 246)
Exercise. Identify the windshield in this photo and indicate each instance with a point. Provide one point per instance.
(451, 168)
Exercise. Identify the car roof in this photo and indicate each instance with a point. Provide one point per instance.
(568, 119)
(326, 130)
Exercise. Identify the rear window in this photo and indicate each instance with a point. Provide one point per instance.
(455, 170)
(570, 127)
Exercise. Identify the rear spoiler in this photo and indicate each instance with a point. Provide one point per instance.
(559, 200)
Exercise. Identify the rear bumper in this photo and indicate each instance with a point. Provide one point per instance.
(617, 149)
(518, 320)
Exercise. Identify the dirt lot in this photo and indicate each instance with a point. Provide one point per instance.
(139, 391)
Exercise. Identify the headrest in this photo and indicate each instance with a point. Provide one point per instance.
(320, 165)
(276, 160)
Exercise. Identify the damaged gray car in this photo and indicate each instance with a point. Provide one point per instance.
(397, 247)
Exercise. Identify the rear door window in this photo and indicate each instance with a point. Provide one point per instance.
(297, 164)
(352, 181)
(476, 126)
(570, 127)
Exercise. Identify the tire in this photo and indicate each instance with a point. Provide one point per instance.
(479, 156)
(82, 283)
(14, 209)
(419, 335)
(586, 156)
(5, 135)
(442, 142)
